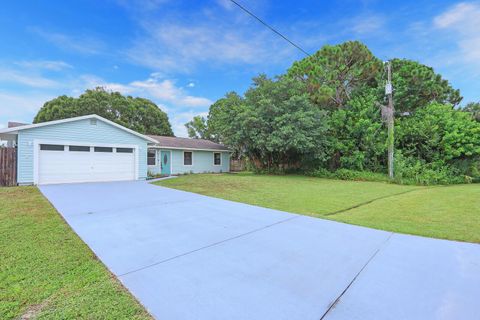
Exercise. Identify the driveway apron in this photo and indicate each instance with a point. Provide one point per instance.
(188, 256)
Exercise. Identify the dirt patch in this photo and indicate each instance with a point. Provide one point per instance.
(33, 311)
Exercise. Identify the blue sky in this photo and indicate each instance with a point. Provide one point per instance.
(184, 55)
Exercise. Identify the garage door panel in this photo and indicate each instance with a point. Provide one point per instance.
(82, 166)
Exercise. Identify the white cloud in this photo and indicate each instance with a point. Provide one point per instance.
(462, 22)
(367, 24)
(21, 107)
(52, 65)
(456, 15)
(214, 36)
(191, 85)
(79, 44)
(26, 78)
(166, 91)
(179, 119)
(170, 98)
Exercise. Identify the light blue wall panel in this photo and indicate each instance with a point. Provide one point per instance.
(202, 162)
(78, 131)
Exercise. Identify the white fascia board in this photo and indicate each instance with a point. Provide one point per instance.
(15, 130)
(193, 149)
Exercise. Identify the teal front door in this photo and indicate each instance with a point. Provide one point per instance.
(165, 162)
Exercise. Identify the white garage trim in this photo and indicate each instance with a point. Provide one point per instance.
(38, 142)
(90, 116)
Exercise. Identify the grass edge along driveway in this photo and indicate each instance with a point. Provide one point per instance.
(47, 272)
(445, 212)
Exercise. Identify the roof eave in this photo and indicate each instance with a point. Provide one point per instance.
(15, 130)
(194, 149)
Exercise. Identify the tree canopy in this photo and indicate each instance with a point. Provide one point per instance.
(416, 85)
(197, 128)
(324, 114)
(474, 109)
(334, 73)
(139, 114)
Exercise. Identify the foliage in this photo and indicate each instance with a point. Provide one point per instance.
(47, 271)
(335, 73)
(280, 126)
(325, 113)
(474, 109)
(197, 128)
(138, 114)
(223, 123)
(357, 139)
(442, 212)
(347, 174)
(439, 133)
(409, 170)
(416, 85)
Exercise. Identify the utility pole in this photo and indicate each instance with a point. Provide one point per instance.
(389, 118)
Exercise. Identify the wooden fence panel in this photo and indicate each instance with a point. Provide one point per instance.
(8, 167)
(237, 165)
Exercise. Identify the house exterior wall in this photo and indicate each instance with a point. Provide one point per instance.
(202, 162)
(75, 131)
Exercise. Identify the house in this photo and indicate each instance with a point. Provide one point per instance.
(91, 148)
(172, 155)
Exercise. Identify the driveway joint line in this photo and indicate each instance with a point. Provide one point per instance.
(368, 202)
(337, 300)
(210, 245)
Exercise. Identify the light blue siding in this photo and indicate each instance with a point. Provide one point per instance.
(202, 162)
(75, 131)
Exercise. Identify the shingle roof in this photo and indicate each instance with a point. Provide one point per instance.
(13, 124)
(187, 143)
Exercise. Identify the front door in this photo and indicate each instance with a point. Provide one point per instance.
(165, 162)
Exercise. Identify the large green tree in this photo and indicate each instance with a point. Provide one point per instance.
(197, 128)
(416, 85)
(280, 127)
(474, 109)
(139, 114)
(223, 121)
(439, 133)
(335, 73)
(357, 136)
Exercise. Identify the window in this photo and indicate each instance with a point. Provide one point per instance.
(217, 159)
(151, 157)
(79, 148)
(103, 149)
(124, 150)
(52, 147)
(187, 158)
(93, 122)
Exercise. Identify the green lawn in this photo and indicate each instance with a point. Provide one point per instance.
(47, 272)
(450, 212)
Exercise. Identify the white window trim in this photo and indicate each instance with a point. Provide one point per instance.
(217, 165)
(156, 158)
(38, 142)
(187, 165)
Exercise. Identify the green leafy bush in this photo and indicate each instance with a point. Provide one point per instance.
(409, 170)
(347, 174)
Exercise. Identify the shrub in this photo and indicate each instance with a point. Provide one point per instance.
(409, 170)
(346, 174)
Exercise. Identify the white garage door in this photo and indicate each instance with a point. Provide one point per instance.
(66, 164)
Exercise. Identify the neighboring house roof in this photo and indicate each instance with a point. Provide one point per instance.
(187, 143)
(14, 130)
(13, 124)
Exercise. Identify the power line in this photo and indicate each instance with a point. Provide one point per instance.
(269, 27)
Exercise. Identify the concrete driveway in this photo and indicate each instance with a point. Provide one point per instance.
(187, 256)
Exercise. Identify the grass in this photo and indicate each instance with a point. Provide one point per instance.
(451, 212)
(47, 272)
